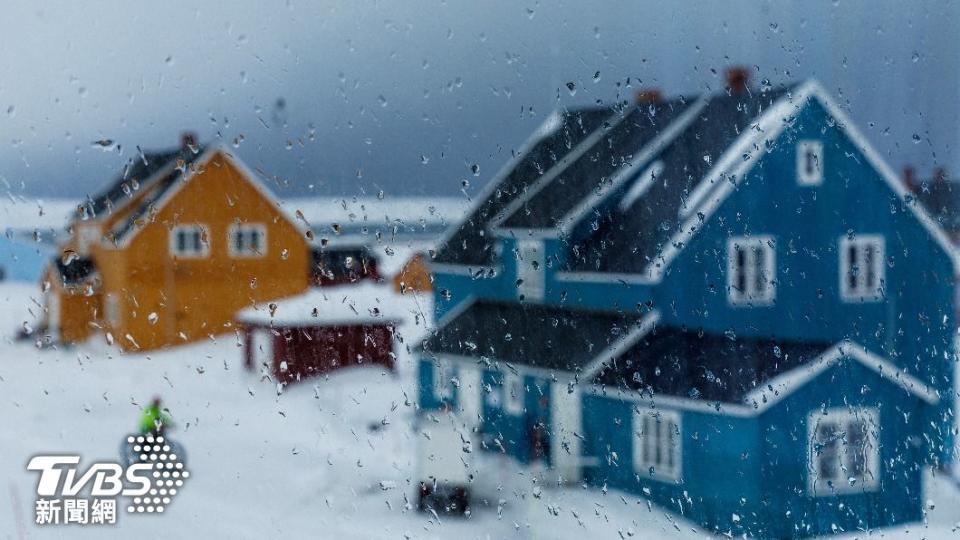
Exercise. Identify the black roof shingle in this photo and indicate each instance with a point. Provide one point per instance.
(470, 242)
(693, 364)
(541, 336)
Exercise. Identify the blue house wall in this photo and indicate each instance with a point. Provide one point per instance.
(719, 474)
(756, 465)
(785, 463)
(501, 430)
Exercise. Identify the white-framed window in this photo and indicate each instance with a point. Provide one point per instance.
(844, 451)
(862, 268)
(810, 163)
(751, 270)
(530, 269)
(189, 241)
(443, 375)
(657, 445)
(247, 240)
(514, 393)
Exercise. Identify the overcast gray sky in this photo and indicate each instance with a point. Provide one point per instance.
(353, 97)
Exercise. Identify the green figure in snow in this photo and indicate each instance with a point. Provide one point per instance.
(154, 419)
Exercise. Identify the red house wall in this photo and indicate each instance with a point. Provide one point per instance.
(314, 350)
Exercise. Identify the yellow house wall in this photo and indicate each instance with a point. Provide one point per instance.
(165, 301)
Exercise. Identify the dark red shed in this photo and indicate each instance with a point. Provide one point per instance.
(321, 331)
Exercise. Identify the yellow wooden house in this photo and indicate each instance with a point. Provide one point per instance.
(171, 250)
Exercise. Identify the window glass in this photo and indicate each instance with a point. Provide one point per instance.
(657, 446)
(862, 267)
(751, 270)
(844, 451)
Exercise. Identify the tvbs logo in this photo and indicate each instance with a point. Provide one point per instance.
(67, 494)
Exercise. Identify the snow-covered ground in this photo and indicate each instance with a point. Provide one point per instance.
(330, 458)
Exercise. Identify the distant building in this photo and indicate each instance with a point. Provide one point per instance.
(322, 331)
(728, 304)
(414, 276)
(339, 264)
(169, 252)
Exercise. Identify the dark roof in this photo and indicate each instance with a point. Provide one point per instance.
(75, 271)
(638, 126)
(628, 240)
(548, 337)
(159, 188)
(136, 172)
(680, 362)
(470, 243)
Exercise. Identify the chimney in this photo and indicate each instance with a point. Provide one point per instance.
(738, 77)
(648, 95)
(910, 179)
(939, 175)
(188, 140)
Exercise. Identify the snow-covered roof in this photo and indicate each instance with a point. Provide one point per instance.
(374, 211)
(362, 303)
(22, 213)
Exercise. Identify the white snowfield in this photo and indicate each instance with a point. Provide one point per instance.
(331, 458)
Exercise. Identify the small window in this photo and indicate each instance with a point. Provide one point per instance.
(247, 240)
(862, 271)
(189, 241)
(442, 380)
(751, 269)
(530, 271)
(657, 446)
(514, 392)
(844, 454)
(810, 163)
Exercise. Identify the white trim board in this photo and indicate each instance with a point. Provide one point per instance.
(647, 152)
(776, 389)
(731, 168)
(759, 400)
(642, 328)
(475, 272)
(197, 167)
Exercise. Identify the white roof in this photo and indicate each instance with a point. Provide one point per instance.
(362, 303)
(22, 213)
(373, 210)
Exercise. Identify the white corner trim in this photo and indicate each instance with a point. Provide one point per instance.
(475, 272)
(778, 388)
(642, 328)
(603, 277)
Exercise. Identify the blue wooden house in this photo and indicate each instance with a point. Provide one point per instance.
(727, 303)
